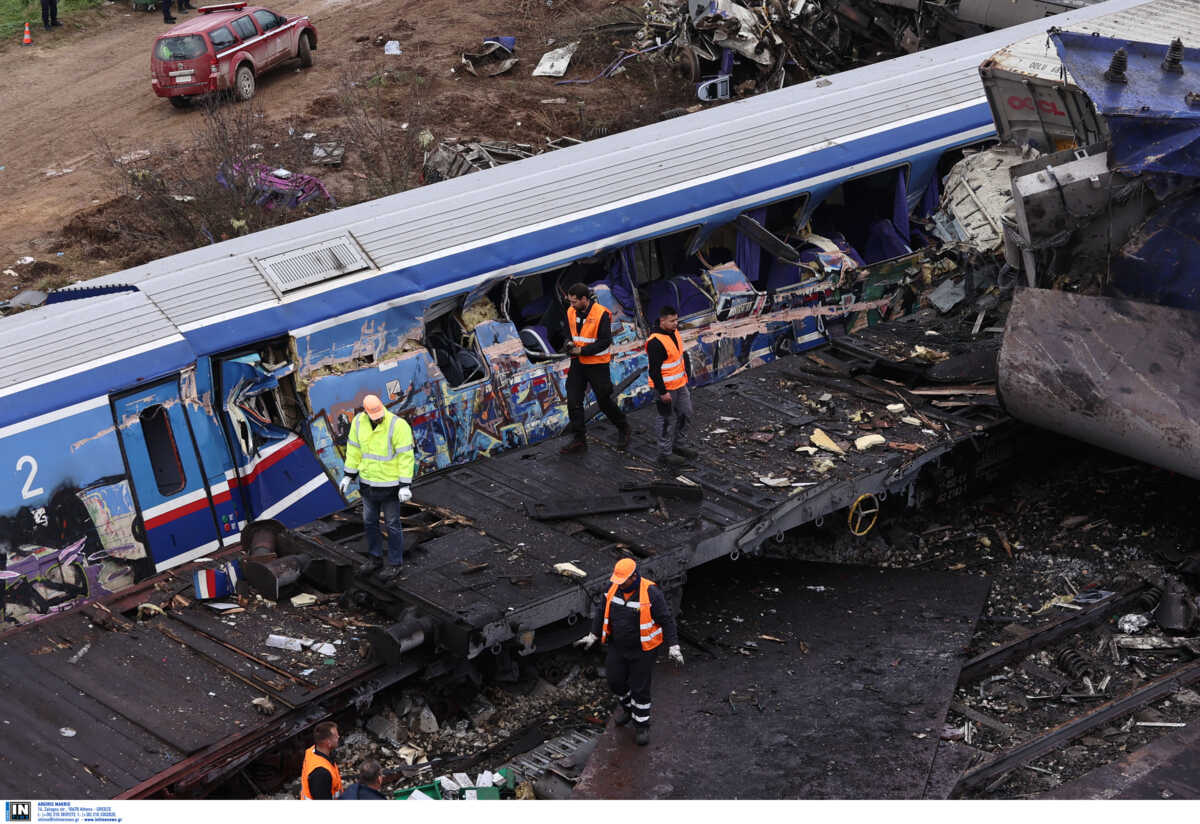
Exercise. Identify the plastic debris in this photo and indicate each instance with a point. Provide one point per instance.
(896, 408)
(392, 47)
(284, 642)
(554, 63)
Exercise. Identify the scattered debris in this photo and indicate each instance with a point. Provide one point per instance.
(554, 63)
(392, 47)
(263, 705)
(822, 441)
(570, 570)
(865, 442)
(496, 57)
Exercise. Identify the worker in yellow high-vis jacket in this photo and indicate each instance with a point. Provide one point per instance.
(379, 454)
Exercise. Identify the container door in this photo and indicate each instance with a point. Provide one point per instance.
(169, 486)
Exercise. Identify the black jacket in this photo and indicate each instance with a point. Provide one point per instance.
(361, 792)
(555, 321)
(625, 623)
(656, 353)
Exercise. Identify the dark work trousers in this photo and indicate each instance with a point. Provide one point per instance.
(673, 420)
(374, 499)
(49, 12)
(628, 673)
(166, 10)
(579, 377)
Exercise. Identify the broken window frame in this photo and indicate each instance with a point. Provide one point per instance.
(162, 449)
(284, 400)
(452, 307)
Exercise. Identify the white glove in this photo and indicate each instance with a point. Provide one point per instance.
(586, 641)
(675, 654)
(404, 494)
(344, 485)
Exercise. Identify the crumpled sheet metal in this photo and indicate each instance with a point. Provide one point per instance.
(493, 59)
(1114, 373)
(977, 193)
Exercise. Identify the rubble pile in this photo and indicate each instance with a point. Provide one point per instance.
(748, 47)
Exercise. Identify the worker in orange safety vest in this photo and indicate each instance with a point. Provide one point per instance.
(669, 368)
(319, 776)
(589, 325)
(633, 620)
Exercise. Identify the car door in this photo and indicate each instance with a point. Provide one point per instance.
(279, 40)
(169, 485)
(258, 47)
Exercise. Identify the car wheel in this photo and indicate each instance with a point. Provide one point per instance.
(243, 83)
(304, 52)
(180, 102)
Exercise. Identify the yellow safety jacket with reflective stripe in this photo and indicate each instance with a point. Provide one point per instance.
(586, 335)
(381, 455)
(312, 760)
(652, 634)
(674, 374)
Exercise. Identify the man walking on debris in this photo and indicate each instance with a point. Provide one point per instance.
(319, 776)
(379, 453)
(633, 620)
(589, 325)
(669, 371)
(369, 786)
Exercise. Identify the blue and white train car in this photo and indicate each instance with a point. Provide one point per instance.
(146, 417)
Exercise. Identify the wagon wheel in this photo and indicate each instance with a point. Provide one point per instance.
(688, 61)
(864, 512)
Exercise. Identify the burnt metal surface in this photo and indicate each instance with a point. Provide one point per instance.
(487, 571)
(1168, 767)
(98, 713)
(1117, 374)
(857, 715)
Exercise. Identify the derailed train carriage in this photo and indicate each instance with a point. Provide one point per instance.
(149, 415)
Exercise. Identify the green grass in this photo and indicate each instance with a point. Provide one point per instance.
(14, 14)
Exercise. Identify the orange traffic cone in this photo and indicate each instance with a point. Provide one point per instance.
(27, 40)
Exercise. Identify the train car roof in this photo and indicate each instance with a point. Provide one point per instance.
(533, 213)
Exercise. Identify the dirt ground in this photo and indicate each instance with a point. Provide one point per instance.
(81, 96)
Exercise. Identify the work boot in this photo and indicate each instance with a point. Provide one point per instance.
(670, 461)
(168, 19)
(55, 23)
(390, 571)
(685, 452)
(576, 445)
(624, 434)
(643, 736)
(621, 716)
(368, 566)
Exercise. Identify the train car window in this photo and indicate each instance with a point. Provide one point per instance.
(859, 215)
(535, 303)
(452, 345)
(163, 451)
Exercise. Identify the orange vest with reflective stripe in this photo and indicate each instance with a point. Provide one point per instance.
(652, 634)
(312, 760)
(674, 374)
(586, 335)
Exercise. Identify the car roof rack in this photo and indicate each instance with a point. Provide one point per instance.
(222, 7)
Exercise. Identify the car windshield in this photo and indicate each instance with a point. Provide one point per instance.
(181, 48)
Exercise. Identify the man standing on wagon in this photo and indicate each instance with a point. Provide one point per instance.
(589, 325)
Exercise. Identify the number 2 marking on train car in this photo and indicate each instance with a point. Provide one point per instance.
(26, 492)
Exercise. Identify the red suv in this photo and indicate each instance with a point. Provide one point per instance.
(225, 47)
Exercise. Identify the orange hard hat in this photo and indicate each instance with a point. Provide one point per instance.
(373, 407)
(624, 568)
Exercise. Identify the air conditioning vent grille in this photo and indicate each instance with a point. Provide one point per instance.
(313, 264)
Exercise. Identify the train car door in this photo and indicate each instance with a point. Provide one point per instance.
(170, 489)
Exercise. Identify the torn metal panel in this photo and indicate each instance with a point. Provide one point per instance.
(1151, 111)
(1160, 261)
(1117, 374)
